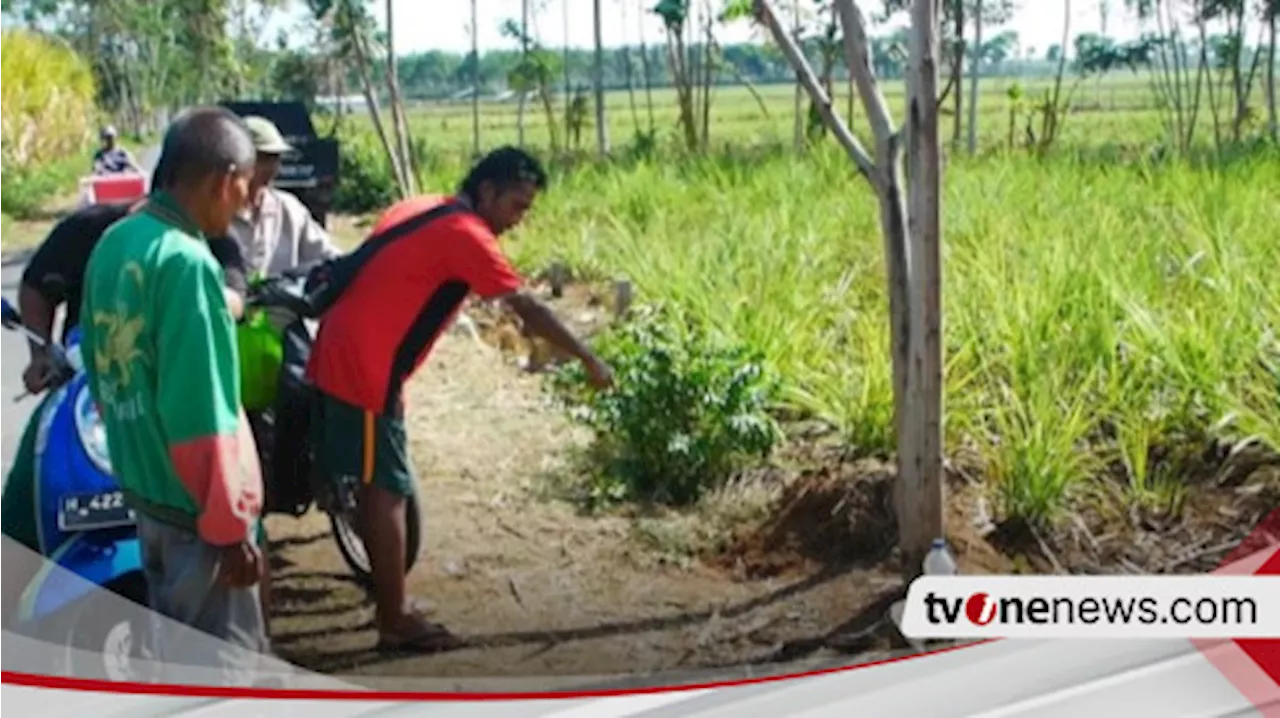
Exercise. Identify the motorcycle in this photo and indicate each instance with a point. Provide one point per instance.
(86, 527)
(118, 187)
(281, 427)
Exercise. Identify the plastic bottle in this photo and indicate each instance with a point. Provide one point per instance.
(939, 561)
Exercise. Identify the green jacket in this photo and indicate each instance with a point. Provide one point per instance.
(161, 358)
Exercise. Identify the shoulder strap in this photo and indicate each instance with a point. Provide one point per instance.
(371, 246)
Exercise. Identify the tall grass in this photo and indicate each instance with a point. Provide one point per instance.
(1094, 314)
(48, 111)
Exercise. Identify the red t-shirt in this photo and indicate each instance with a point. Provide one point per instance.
(383, 326)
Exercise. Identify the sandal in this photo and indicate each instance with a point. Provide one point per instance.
(426, 637)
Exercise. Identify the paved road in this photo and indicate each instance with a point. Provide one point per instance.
(13, 352)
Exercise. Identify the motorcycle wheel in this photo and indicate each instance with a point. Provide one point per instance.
(352, 546)
(106, 638)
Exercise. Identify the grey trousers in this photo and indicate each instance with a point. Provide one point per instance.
(201, 632)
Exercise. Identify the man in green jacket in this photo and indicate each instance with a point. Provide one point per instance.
(162, 364)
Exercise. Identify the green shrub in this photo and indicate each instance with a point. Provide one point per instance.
(686, 414)
(365, 180)
(24, 191)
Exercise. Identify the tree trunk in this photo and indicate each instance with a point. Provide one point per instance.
(920, 514)
(914, 330)
(475, 82)
(524, 58)
(397, 107)
(957, 74)
(799, 120)
(568, 88)
(1242, 99)
(1201, 25)
(975, 71)
(644, 68)
(676, 57)
(628, 68)
(1271, 79)
(602, 129)
(371, 97)
(708, 75)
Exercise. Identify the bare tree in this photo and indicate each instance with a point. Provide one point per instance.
(597, 79)
(646, 70)
(397, 107)
(975, 74)
(911, 225)
(985, 13)
(351, 23)
(524, 58)
(1271, 15)
(798, 130)
(475, 81)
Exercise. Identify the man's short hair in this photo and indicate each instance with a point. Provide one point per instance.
(203, 142)
(504, 167)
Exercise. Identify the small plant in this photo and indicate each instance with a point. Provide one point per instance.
(686, 413)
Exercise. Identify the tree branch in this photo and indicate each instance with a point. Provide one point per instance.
(861, 158)
(857, 52)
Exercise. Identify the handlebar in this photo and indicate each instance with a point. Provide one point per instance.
(286, 290)
(62, 368)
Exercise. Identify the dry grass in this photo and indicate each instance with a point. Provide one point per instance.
(538, 587)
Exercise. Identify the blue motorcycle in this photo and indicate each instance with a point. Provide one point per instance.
(86, 527)
(83, 526)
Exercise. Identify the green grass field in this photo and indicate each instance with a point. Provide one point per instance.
(1101, 316)
(1120, 108)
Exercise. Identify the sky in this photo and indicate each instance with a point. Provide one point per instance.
(444, 24)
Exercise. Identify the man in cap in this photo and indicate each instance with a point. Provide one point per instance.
(111, 158)
(275, 231)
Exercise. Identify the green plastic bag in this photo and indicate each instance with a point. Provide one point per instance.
(261, 355)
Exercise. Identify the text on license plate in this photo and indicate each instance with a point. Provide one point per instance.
(84, 512)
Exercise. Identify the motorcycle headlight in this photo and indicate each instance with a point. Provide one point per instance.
(93, 435)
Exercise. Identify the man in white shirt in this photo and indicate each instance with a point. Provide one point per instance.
(276, 232)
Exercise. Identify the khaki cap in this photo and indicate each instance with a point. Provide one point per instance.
(266, 138)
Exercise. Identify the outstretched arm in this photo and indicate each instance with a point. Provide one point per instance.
(476, 258)
(541, 321)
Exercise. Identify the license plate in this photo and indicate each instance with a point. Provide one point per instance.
(90, 512)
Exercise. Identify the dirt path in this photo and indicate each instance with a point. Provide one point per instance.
(536, 588)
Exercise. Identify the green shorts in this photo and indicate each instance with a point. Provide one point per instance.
(351, 441)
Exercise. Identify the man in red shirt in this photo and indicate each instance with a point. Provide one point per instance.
(381, 329)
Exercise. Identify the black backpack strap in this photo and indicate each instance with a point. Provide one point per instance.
(374, 244)
(329, 280)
